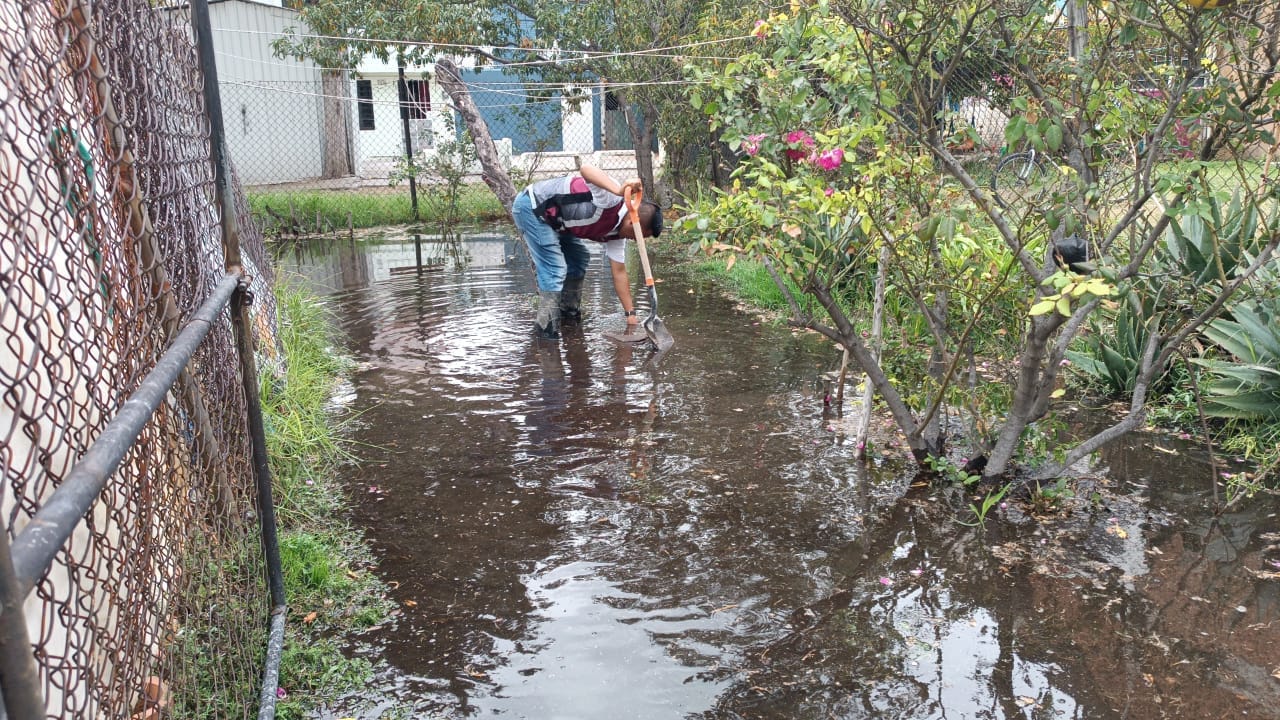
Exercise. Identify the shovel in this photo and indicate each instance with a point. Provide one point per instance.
(653, 326)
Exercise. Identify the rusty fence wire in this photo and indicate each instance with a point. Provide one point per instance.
(158, 604)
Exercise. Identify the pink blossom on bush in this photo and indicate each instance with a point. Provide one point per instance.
(829, 191)
(829, 159)
(751, 145)
(761, 28)
(801, 139)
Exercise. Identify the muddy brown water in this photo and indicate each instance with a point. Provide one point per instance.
(573, 533)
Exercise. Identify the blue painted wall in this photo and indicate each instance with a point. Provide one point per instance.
(533, 124)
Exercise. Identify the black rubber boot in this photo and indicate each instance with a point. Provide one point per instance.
(571, 300)
(547, 324)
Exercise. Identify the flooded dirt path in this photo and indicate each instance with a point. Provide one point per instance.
(572, 533)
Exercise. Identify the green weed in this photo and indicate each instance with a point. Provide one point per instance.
(284, 212)
(1046, 499)
(748, 280)
(980, 510)
(329, 587)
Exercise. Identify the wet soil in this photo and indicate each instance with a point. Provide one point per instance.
(573, 532)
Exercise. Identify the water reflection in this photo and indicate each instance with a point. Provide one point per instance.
(576, 534)
(346, 263)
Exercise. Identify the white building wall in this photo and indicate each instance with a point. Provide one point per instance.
(377, 150)
(577, 126)
(271, 107)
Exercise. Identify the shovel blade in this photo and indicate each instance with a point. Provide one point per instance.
(658, 333)
(631, 335)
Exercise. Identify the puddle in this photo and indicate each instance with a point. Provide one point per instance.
(572, 533)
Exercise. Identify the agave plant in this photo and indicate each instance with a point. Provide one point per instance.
(1203, 250)
(1113, 357)
(1210, 250)
(1247, 387)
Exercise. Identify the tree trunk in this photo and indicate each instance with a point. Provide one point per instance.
(1026, 393)
(642, 131)
(877, 332)
(849, 338)
(932, 430)
(492, 171)
(337, 160)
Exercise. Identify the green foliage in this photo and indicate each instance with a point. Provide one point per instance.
(1202, 251)
(952, 472)
(748, 280)
(989, 500)
(304, 439)
(1259, 443)
(310, 566)
(1248, 386)
(328, 583)
(1050, 497)
(277, 211)
(441, 174)
(868, 84)
(217, 644)
(1208, 245)
(315, 671)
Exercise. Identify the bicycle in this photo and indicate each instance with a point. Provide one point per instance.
(1020, 178)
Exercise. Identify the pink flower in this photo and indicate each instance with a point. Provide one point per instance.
(800, 142)
(829, 191)
(829, 159)
(761, 29)
(886, 581)
(752, 144)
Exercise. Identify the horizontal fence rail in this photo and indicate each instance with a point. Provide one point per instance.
(36, 546)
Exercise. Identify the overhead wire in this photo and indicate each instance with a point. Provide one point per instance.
(475, 83)
(501, 87)
(274, 86)
(666, 51)
(495, 87)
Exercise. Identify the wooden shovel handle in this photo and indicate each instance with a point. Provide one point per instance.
(632, 198)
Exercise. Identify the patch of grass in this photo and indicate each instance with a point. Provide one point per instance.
(1258, 442)
(364, 208)
(330, 588)
(219, 645)
(747, 280)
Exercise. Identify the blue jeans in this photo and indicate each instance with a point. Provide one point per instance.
(555, 256)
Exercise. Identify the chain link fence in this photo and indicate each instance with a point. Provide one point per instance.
(1128, 125)
(348, 133)
(157, 605)
(298, 133)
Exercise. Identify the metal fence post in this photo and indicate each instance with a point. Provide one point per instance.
(244, 345)
(19, 677)
(408, 136)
